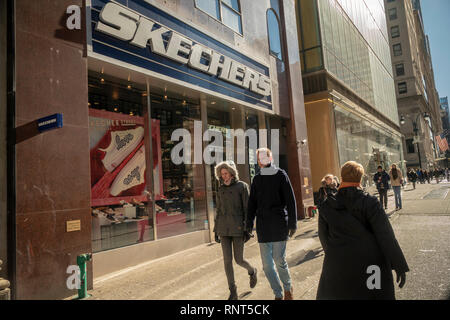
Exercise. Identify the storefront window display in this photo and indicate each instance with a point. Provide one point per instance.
(121, 198)
(219, 119)
(181, 206)
(121, 213)
(368, 144)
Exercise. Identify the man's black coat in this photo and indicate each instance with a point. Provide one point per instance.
(356, 234)
(272, 203)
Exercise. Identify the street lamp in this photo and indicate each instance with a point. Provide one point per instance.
(426, 117)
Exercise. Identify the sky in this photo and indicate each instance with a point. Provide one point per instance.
(436, 17)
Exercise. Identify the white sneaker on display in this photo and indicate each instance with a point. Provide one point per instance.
(122, 144)
(131, 175)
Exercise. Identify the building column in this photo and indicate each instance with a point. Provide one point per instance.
(298, 159)
(52, 169)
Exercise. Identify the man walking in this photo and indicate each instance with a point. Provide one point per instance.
(412, 176)
(272, 202)
(381, 179)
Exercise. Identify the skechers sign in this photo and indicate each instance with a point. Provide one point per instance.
(170, 53)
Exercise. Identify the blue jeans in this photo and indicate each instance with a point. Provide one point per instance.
(274, 254)
(398, 196)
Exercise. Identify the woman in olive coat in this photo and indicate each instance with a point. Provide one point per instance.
(229, 226)
(359, 243)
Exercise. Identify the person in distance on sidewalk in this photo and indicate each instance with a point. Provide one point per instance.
(229, 226)
(359, 244)
(381, 178)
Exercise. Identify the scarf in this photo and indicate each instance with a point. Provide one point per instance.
(349, 185)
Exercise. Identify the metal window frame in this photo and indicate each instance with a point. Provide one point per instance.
(220, 2)
(271, 52)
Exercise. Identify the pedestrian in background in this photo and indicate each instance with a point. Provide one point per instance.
(356, 235)
(412, 177)
(272, 203)
(381, 178)
(420, 174)
(229, 226)
(426, 176)
(396, 178)
(330, 183)
(447, 174)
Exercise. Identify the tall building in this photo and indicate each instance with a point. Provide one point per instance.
(125, 83)
(445, 112)
(417, 97)
(351, 108)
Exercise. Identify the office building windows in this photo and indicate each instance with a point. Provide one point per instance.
(392, 13)
(395, 32)
(410, 146)
(400, 69)
(226, 11)
(402, 88)
(397, 49)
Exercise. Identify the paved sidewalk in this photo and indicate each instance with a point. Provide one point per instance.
(198, 273)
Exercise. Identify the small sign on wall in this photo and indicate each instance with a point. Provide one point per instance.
(51, 122)
(74, 225)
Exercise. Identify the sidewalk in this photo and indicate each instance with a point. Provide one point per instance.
(198, 273)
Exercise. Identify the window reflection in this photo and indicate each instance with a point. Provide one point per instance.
(361, 141)
(273, 27)
(226, 11)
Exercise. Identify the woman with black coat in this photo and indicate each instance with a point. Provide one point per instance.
(359, 243)
(330, 183)
(229, 226)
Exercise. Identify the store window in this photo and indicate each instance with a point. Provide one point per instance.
(126, 209)
(181, 201)
(121, 212)
(226, 11)
(219, 119)
(251, 122)
(362, 141)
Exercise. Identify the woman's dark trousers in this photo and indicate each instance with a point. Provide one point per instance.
(236, 244)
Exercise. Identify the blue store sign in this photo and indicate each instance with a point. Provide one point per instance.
(51, 122)
(137, 33)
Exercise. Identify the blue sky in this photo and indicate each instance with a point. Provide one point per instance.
(436, 16)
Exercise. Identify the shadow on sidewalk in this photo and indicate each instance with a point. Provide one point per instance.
(297, 260)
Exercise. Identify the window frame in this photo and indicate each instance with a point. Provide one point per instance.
(410, 146)
(220, 2)
(401, 84)
(396, 69)
(280, 34)
(397, 35)
(390, 16)
(401, 50)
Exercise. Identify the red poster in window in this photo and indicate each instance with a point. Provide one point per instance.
(118, 162)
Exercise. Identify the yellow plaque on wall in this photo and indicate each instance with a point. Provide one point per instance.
(74, 225)
(306, 182)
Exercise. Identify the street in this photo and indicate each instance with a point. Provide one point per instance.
(422, 229)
